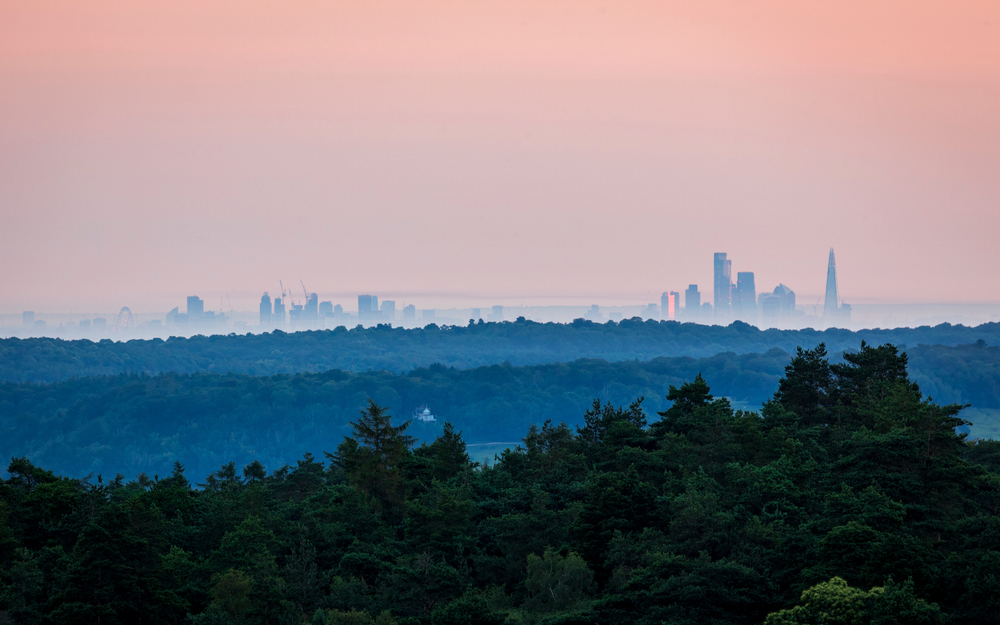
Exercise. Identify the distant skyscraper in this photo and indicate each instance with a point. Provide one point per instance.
(278, 318)
(389, 310)
(831, 303)
(745, 297)
(27, 318)
(409, 312)
(723, 272)
(195, 307)
(367, 307)
(265, 309)
(326, 309)
(496, 315)
(310, 312)
(669, 304)
(692, 302)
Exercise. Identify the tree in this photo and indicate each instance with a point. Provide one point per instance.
(557, 582)
(372, 458)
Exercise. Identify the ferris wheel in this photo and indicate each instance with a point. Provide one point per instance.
(126, 321)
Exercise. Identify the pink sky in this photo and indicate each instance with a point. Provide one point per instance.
(471, 152)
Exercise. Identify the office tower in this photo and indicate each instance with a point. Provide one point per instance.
(265, 309)
(409, 312)
(326, 309)
(278, 317)
(476, 314)
(650, 312)
(497, 314)
(770, 307)
(195, 307)
(670, 304)
(310, 311)
(723, 272)
(745, 297)
(338, 311)
(692, 302)
(27, 318)
(831, 303)
(295, 316)
(367, 307)
(787, 297)
(389, 310)
(85, 324)
(594, 314)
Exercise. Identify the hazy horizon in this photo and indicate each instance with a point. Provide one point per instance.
(149, 152)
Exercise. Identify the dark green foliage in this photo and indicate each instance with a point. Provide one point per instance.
(848, 498)
(465, 347)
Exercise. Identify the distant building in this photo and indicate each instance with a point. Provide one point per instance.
(723, 271)
(692, 302)
(745, 297)
(670, 304)
(787, 300)
(174, 318)
(423, 414)
(278, 317)
(428, 314)
(650, 312)
(85, 324)
(832, 310)
(594, 314)
(310, 311)
(265, 310)
(100, 324)
(295, 316)
(367, 307)
(497, 314)
(28, 318)
(409, 312)
(195, 307)
(338, 311)
(39, 323)
(389, 310)
(325, 309)
(779, 304)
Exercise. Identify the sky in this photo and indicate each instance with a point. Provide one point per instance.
(451, 153)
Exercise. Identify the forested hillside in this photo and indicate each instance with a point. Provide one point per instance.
(144, 423)
(464, 347)
(136, 423)
(848, 499)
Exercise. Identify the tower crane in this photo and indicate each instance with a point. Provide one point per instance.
(304, 291)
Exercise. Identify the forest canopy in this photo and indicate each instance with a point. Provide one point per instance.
(849, 497)
(464, 347)
(134, 423)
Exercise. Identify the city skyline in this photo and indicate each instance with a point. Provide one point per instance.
(505, 150)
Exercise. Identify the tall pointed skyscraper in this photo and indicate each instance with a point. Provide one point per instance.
(831, 303)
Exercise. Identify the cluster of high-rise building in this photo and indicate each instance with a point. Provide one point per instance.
(196, 316)
(740, 301)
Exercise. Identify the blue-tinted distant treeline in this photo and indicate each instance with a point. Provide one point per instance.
(463, 347)
(133, 423)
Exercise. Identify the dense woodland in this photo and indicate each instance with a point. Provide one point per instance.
(848, 498)
(133, 423)
(463, 347)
